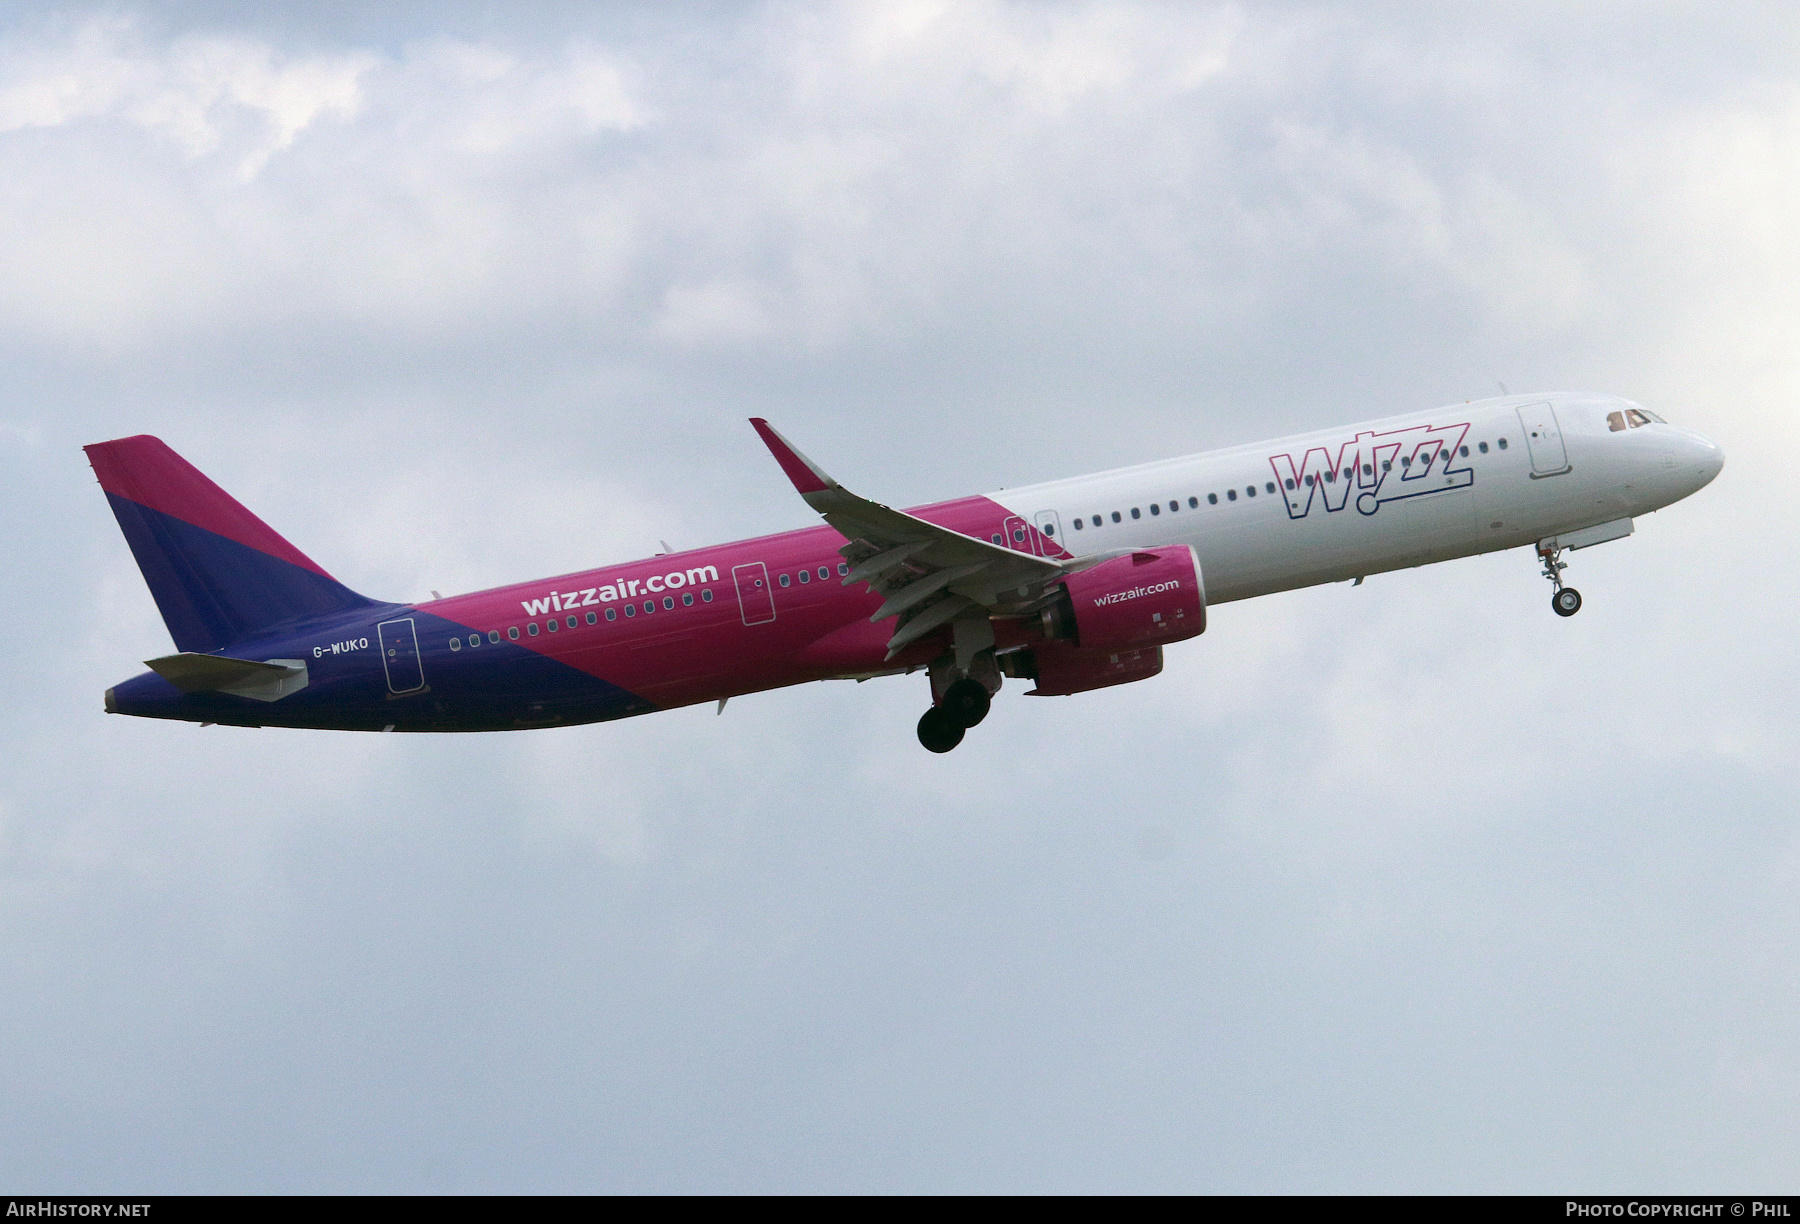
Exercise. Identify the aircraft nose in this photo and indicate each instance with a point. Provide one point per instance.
(1709, 458)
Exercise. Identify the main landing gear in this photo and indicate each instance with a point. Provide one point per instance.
(965, 703)
(1565, 600)
(963, 684)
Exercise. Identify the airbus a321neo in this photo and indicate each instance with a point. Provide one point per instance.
(1073, 585)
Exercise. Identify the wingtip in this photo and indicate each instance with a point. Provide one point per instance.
(805, 475)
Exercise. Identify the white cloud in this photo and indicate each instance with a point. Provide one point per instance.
(195, 92)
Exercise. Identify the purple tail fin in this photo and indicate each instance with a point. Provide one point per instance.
(218, 573)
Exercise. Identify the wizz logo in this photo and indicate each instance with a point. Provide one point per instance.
(1380, 467)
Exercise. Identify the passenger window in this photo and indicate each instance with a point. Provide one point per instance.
(824, 572)
(1406, 461)
(1018, 535)
(592, 619)
(612, 614)
(532, 629)
(1465, 452)
(1269, 487)
(1174, 506)
(1387, 465)
(805, 576)
(630, 610)
(1309, 482)
(494, 636)
(668, 603)
(687, 599)
(706, 595)
(455, 643)
(1155, 508)
(1096, 520)
(513, 632)
(1482, 447)
(1502, 443)
(570, 622)
(1368, 469)
(551, 624)
(1077, 524)
(1193, 503)
(1230, 494)
(1250, 490)
(649, 606)
(785, 581)
(1116, 517)
(1289, 482)
(843, 569)
(1049, 529)
(474, 639)
(1134, 513)
(997, 538)
(1212, 499)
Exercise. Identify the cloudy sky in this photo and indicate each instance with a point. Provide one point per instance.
(1411, 886)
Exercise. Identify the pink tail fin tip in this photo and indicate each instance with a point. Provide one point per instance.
(143, 469)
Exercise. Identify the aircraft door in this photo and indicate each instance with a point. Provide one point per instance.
(1543, 437)
(400, 655)
(755, 600)
(1019, 535)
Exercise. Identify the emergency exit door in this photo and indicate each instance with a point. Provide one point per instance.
(755, 600)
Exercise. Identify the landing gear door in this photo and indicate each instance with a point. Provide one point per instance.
(1543, 437)
(400, 655)
(755, 600)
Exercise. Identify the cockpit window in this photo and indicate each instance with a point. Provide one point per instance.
(1632, 418)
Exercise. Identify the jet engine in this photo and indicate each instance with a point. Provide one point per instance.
(1114, 618)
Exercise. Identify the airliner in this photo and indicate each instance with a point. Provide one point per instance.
(1069, 586)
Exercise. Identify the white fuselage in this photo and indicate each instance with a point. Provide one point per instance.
(1387, 494)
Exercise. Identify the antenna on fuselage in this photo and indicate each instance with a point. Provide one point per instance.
(1503, 390)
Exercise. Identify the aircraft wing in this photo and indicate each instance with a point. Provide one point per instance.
(928, 575)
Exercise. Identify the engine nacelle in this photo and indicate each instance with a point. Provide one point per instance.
(1147, 598)
(1061, 668)
(1112, 624)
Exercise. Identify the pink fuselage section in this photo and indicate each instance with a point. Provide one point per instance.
(701, 628)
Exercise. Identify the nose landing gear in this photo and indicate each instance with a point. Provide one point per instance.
(1565, 600)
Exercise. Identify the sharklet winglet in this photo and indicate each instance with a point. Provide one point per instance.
(806, 475)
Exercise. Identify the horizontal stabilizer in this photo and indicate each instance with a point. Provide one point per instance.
(204, 673)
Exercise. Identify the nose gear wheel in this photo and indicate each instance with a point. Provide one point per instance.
(1565, 600)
